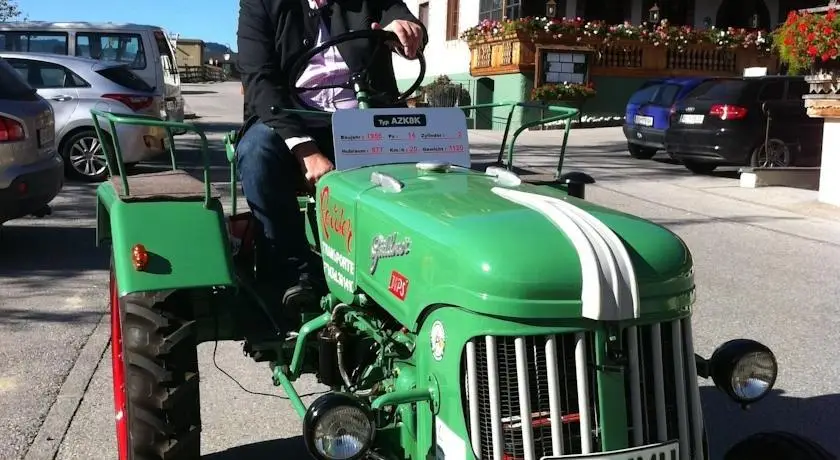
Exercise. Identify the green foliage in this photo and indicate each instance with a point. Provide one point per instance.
(443, 92)
(563, 91)
(9, 10)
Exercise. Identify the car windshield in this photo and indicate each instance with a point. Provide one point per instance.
(12, 86)
(719, 89)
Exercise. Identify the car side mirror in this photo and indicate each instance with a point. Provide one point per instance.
(576, 182)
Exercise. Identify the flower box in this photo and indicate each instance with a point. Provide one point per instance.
(505, 47)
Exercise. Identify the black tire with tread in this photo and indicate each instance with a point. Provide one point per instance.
(777, 445)
(162, 379)
(698, 167)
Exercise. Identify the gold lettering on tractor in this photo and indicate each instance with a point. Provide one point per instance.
(333, 220)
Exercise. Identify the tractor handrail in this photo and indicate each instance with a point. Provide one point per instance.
(147, 120)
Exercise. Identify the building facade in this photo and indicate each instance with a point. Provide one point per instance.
(447, 54)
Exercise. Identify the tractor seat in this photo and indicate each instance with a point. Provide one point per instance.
(176, 185)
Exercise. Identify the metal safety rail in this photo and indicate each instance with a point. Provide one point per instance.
(532, 396)
(146, 120)
(563, 114)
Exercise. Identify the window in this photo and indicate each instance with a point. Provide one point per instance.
(772, 91)
(12, 86)
(644, 95)
(797, 89)
(123, 76)
(452, 19)
(46, 75)
(496, 9)
(112, 47)
(665, 97)
(34, 42)
(170, 66)
(490, 9)
(423, 13)
(719, 89)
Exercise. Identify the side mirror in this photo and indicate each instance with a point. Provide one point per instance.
(575, 182)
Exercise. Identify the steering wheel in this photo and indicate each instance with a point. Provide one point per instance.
(359, 81)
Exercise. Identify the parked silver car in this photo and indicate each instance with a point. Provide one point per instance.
(74, 86)
(31, 171)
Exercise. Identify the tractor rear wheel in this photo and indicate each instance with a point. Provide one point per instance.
(155, 364)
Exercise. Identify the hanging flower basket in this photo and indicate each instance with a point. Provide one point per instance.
(809, 43)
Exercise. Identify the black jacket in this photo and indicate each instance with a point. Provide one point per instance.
(273, 33)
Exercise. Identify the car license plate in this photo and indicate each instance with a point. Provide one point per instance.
(46, 136)
(643, 120)
(664, 451)
(691, 119)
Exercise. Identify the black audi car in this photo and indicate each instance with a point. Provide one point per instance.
(724, 121)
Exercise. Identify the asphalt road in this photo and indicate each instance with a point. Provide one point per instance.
(766, 266)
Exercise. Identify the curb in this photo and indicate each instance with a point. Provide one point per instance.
(55, 426)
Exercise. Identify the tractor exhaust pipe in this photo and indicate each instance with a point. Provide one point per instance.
(576, 182)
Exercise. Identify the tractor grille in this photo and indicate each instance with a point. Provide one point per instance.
(553, 378)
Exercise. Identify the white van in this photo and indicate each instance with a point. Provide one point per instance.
(145, 49)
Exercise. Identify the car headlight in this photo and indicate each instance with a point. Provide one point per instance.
(744, 369)
(338, 426)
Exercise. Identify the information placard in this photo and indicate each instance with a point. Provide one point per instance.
(364, 137)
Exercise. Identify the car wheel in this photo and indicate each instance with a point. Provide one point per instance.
(699, 167)
(84, 156)
(156, 377)
(773, 154)
(642, 153)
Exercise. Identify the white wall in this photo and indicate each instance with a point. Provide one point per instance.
(442, 57)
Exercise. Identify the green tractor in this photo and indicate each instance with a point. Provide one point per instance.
(470, 315)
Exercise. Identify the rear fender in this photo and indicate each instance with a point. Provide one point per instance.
(187, 243)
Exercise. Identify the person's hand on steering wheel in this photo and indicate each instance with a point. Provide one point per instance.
(410, 34)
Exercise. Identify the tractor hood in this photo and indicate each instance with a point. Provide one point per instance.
(463, 238)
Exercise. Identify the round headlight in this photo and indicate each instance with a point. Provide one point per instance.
(338, 426)
(745, 369)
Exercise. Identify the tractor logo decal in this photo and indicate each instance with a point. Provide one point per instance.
(398, 285)
(609, 288)
(333, 220)
(384, 247)
(438, 339)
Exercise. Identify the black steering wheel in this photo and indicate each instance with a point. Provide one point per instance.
(359, 81)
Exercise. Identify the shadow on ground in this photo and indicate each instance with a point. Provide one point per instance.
(726, 424)
(266, 450)
(196, 92)
(816, 418)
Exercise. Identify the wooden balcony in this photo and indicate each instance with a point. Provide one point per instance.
(517, 53)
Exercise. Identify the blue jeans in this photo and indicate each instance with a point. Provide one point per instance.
(271, 178)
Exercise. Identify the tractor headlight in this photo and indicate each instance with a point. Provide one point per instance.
(338, 426)
(745, 369)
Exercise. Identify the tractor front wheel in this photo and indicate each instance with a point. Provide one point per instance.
(155, 364)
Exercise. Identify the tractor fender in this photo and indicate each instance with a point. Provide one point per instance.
(187, 243)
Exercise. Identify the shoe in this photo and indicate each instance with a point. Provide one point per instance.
(299, 297)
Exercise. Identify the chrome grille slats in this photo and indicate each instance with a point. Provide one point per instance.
(660, 376)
